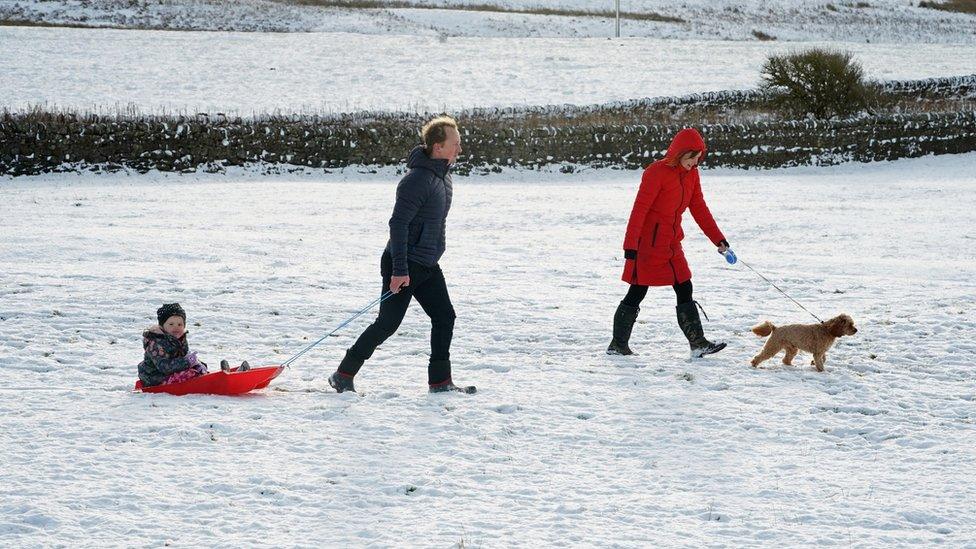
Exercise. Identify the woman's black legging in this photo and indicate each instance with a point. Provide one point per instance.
(636, 293)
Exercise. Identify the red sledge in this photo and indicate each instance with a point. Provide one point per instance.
(219, 383)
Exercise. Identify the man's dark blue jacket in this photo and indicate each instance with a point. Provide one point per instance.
(418, 226)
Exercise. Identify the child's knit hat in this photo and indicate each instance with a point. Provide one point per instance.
(168, 310)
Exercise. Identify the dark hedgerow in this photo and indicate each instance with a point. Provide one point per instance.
(818, 82)
(932, 116)
(961, 6)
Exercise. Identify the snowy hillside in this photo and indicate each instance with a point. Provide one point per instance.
(106, 70)
(893, 21)
(799, 20)
(562, 446)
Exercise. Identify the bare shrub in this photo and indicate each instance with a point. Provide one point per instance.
(817, 81)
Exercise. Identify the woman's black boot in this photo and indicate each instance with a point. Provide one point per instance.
(690, 324)
(623, 324)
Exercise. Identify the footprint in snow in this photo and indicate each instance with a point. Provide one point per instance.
(507, 408)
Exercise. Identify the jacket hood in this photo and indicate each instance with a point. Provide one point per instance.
(686, 140)
(419, 159)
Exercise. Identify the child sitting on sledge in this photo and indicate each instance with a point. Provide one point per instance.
(167, 354)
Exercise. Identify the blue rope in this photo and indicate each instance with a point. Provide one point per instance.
(361, 312)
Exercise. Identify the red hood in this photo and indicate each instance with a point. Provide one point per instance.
(686, 140)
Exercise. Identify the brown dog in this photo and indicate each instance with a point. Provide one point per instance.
(812, 338)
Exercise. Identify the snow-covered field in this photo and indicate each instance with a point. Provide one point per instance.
(892, 21)
(562, 446)
(255, 73)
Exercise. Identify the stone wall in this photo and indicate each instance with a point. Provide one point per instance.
(32, 143)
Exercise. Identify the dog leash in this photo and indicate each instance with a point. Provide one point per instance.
(732, 259)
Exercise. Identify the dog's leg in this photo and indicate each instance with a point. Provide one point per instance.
(768, 351)
(818, 361)
(790, 355)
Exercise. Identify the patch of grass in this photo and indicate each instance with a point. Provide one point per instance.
(388, 4)
(763, 37)
(403, 4)
(25, 23)
(49, 24)
(960, 6)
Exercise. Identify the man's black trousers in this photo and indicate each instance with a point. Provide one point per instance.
(427, 285)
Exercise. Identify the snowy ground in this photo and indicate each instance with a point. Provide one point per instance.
(892, 21)
(105, 70)
(562, 446)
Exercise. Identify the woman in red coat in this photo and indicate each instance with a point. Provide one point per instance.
(652, 247)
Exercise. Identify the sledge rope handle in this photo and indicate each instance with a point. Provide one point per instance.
(780, 291)
(358, 314)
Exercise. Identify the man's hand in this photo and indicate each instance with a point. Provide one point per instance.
(397, 282)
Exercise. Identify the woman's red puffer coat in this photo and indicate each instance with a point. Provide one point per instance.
(654, 230)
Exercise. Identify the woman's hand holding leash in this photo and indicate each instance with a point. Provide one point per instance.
(725, 250)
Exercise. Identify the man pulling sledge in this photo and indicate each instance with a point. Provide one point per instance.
(409, 265)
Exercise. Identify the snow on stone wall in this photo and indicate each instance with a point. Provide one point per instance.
(33, 143)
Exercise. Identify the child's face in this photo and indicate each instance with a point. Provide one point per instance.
(174, 326)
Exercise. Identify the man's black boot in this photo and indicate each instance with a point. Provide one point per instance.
(341, 379)
(439, 379)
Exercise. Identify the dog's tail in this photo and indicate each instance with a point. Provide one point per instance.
(764, 329)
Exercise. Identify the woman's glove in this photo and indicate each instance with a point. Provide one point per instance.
(726, 251)
(630, 254)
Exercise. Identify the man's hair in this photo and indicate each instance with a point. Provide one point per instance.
(435, 131)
